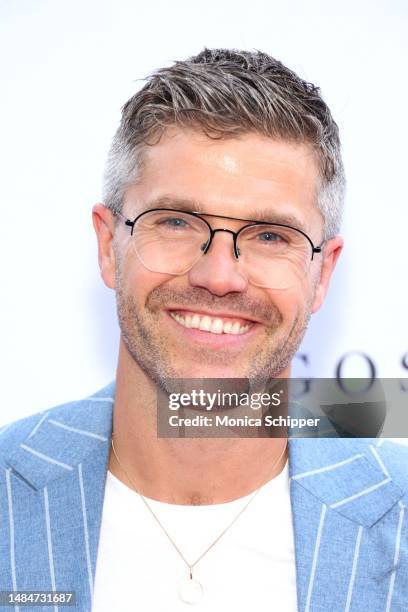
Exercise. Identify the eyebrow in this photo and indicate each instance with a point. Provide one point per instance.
(189, 205)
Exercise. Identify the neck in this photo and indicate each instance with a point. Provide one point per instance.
(189, 471)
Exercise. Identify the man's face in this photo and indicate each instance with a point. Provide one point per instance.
(233, 178)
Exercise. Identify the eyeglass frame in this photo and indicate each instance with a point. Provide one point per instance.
(199, 215)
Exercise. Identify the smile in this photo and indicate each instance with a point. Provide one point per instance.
(214, 325)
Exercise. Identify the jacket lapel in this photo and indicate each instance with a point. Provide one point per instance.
(341, 497)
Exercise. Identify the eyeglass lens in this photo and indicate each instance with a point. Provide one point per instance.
(172, 242)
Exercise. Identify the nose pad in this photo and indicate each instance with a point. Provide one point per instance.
(219, 272)
(206, 245)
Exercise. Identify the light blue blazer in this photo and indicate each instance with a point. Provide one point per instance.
(349, 501)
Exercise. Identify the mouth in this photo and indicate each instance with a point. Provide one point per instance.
(214, 324)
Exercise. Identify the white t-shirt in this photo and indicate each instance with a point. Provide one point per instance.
(251, 567)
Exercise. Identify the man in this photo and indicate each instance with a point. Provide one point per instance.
(219, 233)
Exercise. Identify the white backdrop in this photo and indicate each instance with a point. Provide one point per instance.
(68, 66)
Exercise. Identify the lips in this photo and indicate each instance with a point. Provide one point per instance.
(215, 324)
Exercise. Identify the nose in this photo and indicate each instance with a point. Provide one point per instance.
(218, 270)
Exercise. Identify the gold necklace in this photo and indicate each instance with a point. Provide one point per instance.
(191, 591)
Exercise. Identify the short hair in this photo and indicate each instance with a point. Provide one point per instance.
(226, 93)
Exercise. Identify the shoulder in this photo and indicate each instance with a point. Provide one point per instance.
(85, 412)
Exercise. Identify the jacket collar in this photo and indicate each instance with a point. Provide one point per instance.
(343, 473)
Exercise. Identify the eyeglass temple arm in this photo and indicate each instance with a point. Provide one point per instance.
(125, 219)
(318, 249)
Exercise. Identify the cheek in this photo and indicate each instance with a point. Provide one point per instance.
(291, 302)
(137, 281)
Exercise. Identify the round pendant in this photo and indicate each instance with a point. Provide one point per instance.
(190, 591)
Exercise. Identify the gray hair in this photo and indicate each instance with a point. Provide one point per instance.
(226, 93)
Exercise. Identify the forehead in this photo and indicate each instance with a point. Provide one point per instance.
(234, 177)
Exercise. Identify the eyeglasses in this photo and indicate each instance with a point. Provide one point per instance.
(170, 241)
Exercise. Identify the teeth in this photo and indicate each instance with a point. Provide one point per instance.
(235, 329)
(227, 327)
(217, 326)
(195, 321)
(206, 323)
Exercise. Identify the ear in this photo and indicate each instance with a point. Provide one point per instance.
(104, 225)
(330, 254)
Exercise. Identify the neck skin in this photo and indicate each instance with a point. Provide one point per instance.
(183, 471)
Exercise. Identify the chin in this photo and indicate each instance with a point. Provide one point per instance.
(203, 371)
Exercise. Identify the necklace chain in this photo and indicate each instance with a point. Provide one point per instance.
(192, 565)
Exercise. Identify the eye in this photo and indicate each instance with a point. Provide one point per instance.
(270, 237)
(173, 223)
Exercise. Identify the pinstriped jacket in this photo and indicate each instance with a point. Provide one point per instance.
(349, 502)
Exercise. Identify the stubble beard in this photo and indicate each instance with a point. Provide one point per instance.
(156, 357)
